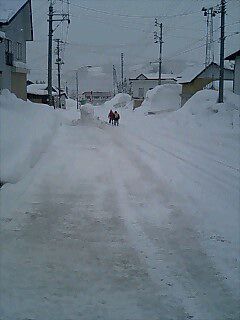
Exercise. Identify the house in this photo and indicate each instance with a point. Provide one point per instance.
(195, 78)
(144, 82)
(15, 30)
(96, 97)
(38, 93)
(236, 80)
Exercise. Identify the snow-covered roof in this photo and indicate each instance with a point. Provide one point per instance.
(154, 76)
(39, 89)
(200, 71)
(164, 76)
(9, 8)
(190, 73)
(98, 93)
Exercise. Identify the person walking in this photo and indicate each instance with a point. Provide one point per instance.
(111, 117)
(116, 118)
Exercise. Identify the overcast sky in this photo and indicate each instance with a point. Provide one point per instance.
(101, 29)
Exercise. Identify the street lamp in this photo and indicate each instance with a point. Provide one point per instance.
(77, 81)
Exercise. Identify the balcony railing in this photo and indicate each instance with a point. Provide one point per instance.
(9, 58)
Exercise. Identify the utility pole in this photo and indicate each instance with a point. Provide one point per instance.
(209, 52)
(59, 62)
(51, 19)
(158, 39)
(115, 89)
(77, 87)
(221, 77)
(50, 36)
(122, 85)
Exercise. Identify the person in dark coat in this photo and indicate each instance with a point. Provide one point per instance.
(116, 118)
(111, 117)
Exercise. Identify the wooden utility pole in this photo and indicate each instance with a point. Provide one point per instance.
(59, 62)
(50, 36)
(222, 38)
(51, 19)
(158, 39)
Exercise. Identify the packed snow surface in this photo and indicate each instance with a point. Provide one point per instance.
(135, 222)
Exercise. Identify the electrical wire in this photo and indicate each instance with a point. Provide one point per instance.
(131, 16)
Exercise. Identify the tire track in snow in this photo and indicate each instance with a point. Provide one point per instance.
(189, 162)
(215, 299)
(179, 306)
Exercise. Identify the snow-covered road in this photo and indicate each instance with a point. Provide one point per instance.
(100, 233)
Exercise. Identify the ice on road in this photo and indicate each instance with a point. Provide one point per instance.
(99, 234)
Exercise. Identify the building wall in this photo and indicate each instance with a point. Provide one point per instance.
(189, 89)
(18, 31)
(37, 99)
(236, 84)
(19, 84)
(145, 85)
(213, 71)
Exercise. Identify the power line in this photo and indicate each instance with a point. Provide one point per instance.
(131, 16)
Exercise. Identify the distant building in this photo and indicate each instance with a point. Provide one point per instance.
(146, 81)
(38, 93)
(236, 81)
(96, 97)
(15, 30)
(195, 78)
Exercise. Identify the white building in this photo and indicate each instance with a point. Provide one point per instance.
(236, 81)
(144, 82)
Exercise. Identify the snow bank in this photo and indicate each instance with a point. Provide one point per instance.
(202, 109)
(162, 98)
(26, 129)
(120, 100)
(87, 113)
(70, 114)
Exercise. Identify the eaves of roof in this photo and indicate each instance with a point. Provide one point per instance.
(233, 55)
(14, 16)
(213, 63)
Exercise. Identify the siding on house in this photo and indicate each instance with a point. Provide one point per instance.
(195, 81)
(236, 84)
(189, 89)
(18, 84)
(17, 30)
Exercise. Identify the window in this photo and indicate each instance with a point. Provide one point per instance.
(8, 52)
(141, 92)
(8, 45)
(19, 51)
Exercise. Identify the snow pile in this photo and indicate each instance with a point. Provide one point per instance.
(120, 100)
(26, 129)
(87, 113)
(162, 98)
(70, 114)
(202, 109)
